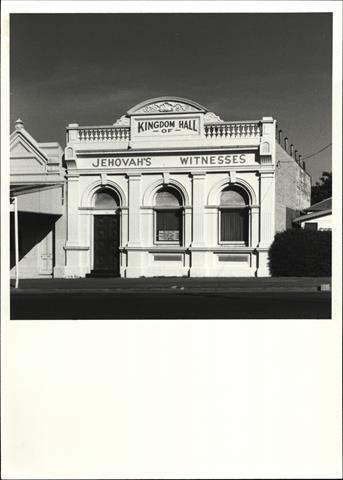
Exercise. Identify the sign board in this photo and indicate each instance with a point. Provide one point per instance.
(168, 235)
(170, 126)
(203, 161)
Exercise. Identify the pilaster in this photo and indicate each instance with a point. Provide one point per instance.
(198, 251)
(72, 248)
(267, 143)
(134, 189)
(72, 210)
(254, 223)
(198, 237)
(267, 210)
(60, 236)
(134, 258)
(267, 220)
(187, 226)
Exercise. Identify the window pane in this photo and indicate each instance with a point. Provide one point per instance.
(234, 225)
(168, 198)
(311, 226)
(233, 197)
(105, 200)
(168, 225)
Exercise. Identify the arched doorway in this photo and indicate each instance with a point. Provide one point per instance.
(106, 233)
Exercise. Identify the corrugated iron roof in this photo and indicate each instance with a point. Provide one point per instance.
(311, 216)
(320, 206)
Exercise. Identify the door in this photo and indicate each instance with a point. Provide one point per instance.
(106, 243)
(45, 254)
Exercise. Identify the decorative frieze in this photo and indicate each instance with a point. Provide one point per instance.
(211, 117)
(166, 107)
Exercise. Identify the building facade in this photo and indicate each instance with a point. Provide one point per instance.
(316, 217)
(37, 181)
(170, 189)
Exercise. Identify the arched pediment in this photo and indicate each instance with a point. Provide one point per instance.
(216, 190)
(25, 154)
(165, 105)
(87, 196)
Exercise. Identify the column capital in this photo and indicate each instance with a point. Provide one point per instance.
(266, 159)
(134, 176)
(198, 175)
(103, 177)
(73, 177)
(166, 178)
(266, 174)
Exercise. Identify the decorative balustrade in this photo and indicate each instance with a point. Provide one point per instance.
(233, 129)
(251, 129)
(103, 134)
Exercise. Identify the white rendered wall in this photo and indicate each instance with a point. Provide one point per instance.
(175, 142)
(200, 254)
(324, 223)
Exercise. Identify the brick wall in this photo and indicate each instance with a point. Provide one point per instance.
(292, 189)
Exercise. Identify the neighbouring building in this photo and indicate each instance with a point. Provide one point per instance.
(37, 180)
(169, 189)
(317, 216)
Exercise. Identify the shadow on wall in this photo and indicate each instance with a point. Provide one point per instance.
(33, 228)
(291, 214)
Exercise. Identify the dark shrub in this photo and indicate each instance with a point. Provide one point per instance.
(300, 253)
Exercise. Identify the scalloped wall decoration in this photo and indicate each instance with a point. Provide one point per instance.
(211, 117)
(123, 121)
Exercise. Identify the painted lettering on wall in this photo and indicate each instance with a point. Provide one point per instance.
(122, 162)
(175, 126)
(170, 161)
(213, 159)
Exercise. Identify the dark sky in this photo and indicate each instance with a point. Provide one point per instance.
(91, 68)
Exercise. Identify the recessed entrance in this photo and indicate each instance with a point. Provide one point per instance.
(106, 245)
(106, 257)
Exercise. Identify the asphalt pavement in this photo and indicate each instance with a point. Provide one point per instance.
(171, 298)
(172, 284)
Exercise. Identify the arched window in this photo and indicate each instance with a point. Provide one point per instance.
(168, 216)
(106, 199)
(234, 216)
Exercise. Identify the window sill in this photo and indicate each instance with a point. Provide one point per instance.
(161, 244)
(233, 244)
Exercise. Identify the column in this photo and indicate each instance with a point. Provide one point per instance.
(60, 239)
(124, 221)
(73, 268)
(198, 238)
(254, 234)
(134, 187)
(198, 249)
(267, 219)
(267, 143)
(187, 226)
(254, 225)
(134, 253)
(187, 234)
(72, 209)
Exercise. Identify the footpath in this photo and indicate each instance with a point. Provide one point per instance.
(172, 285)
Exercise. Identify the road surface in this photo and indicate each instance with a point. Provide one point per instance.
(178, 305)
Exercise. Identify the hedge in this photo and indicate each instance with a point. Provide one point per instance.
(301, 253)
